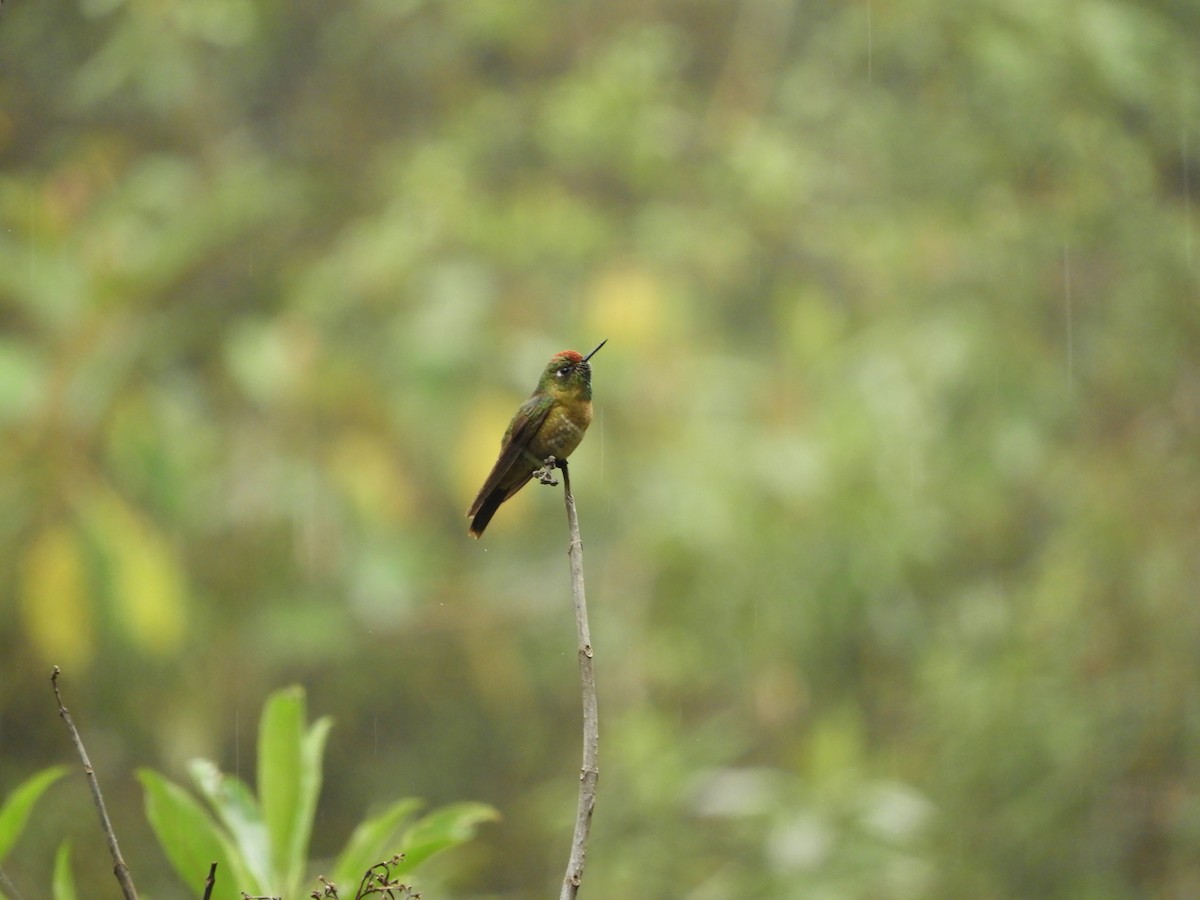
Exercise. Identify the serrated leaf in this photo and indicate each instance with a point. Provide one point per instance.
(443, 828)
(63, 885)
(191, 840)
(16, 809)
(369, 844)
(234, 803)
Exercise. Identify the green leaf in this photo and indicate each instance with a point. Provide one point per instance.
(22, 378)
(16, 809)
(236, 807)
(312, 754)
(289, 781)
(280, 736)
(443, 828)
(368, 844)
(63, 885)
(191, 840)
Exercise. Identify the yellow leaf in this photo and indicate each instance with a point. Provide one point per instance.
(147, 582)
(55, 602)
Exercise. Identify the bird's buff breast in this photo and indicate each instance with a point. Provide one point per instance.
(562, 431)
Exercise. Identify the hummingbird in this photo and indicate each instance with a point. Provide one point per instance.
(550, 423)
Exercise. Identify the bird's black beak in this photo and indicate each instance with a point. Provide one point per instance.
(593, 353)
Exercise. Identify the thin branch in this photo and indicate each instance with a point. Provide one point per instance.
(590, 772)
(210, 881)
(119, 868)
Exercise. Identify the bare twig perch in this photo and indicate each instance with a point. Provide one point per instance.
(590, 771)
(210, 881)
(119, 868)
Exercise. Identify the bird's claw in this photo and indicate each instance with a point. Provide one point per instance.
(545, 475)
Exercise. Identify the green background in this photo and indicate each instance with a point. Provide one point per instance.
(891, 505)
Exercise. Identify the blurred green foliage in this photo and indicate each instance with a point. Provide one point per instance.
(890, 504)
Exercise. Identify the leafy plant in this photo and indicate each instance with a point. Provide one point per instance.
(260, 843)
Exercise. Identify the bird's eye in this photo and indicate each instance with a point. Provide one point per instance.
(564, 371)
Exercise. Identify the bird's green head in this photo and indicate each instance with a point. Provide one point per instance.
(568, 374)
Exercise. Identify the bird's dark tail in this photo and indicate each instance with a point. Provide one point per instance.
(484, 514)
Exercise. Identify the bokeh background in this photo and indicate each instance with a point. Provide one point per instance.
(891, 504)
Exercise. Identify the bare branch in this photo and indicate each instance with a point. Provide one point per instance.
(119, 868)
(590, 772)
(210, 881)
